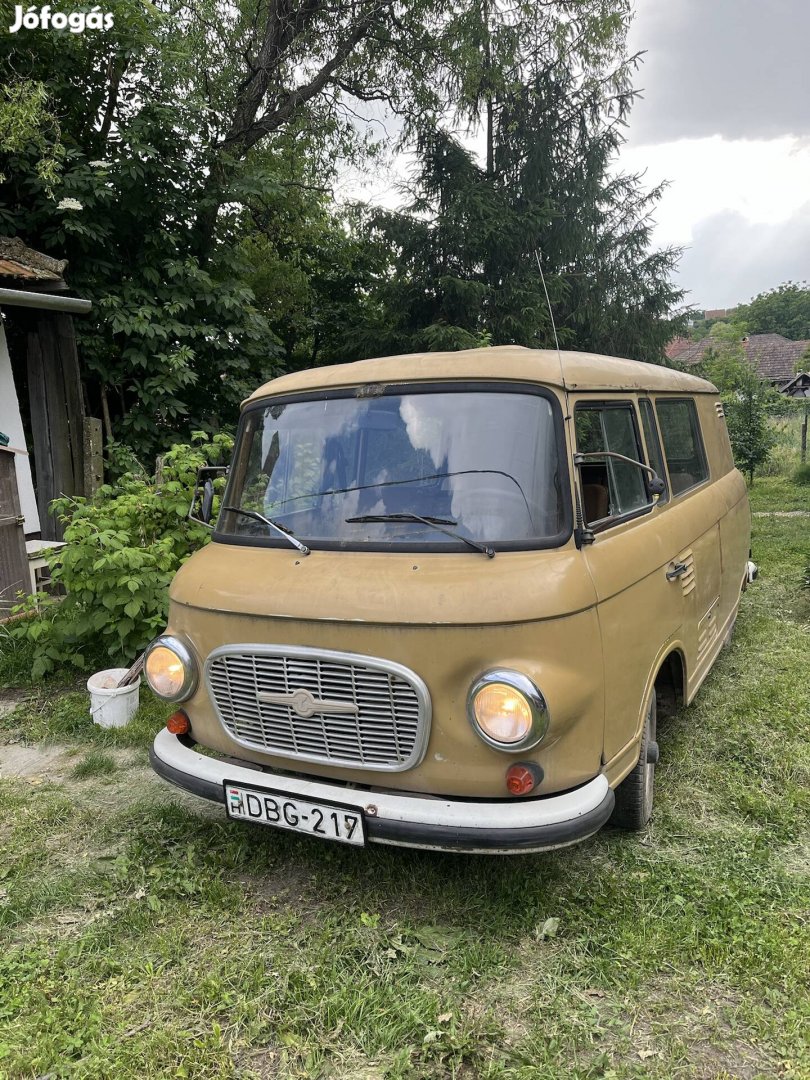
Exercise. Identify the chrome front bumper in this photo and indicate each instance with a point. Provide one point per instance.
(507, 826)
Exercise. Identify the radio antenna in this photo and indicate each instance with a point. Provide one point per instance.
(581, 534)
(553, 324)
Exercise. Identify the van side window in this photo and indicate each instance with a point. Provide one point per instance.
(654, 456)
(683, 445)
(610, 488)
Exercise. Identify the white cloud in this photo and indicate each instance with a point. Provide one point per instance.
(766, 181)
(732, 259)
(724, 118)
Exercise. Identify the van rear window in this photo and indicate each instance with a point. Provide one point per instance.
(683, 445)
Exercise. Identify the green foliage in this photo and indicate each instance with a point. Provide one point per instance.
(196, 144)
(122, 549)
(28, 126)
(747, 399)
(784, 310)
(802, 475)
(171, 334)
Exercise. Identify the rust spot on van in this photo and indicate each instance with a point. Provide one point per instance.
(371, 390)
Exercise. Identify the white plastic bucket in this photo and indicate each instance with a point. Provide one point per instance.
(112, 705)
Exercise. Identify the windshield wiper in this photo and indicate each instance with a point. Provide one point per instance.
(435, 523)
(285, 533)
(412, 480)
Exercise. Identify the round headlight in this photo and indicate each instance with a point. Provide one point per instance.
(507, 710)
(170, 668)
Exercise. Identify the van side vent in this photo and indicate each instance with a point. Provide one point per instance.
(719, 407)
(707, 628)
(687, 579)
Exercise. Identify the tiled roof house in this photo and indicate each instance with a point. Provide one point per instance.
(774, 357)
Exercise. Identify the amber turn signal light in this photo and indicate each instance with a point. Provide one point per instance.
(178, 723)
(523, 777)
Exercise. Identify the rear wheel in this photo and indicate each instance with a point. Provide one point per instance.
(634, 795)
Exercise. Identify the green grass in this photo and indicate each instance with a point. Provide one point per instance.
(61, 713)
(778, 493)
(143, 936)
(95, 763)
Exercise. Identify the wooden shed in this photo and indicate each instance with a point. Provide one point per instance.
(41, 404)
(14, 573)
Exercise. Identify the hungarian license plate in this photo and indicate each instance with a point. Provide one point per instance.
(326, 820)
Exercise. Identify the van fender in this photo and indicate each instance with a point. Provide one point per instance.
(625, 760)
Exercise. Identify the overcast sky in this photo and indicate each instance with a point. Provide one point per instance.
(725, 117)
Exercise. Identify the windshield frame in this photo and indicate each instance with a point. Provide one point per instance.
(367, 390)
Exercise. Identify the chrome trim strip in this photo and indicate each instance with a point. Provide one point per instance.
(416, 810)
(389, 667)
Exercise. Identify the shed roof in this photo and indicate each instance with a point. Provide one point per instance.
(24, 264)
(583, 371)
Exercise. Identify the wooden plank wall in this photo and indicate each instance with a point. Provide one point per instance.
(57, 414)
(14, 574)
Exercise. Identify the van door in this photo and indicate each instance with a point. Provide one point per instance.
(696, 512)
(640, 610)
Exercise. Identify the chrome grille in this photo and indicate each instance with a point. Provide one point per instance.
(314, 705)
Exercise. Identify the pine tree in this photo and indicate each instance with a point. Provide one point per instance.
(465, 254)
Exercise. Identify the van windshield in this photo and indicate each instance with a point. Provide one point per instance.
(483, 464)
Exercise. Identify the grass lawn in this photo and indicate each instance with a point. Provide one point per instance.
(142, 936)
(778, 493)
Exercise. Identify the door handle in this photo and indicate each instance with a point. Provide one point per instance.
(678, 570)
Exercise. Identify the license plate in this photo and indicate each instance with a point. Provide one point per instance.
(326, 820)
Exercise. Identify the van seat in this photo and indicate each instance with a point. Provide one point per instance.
(681, 481)
(597, 501)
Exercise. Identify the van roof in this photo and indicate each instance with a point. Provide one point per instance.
(583, 371)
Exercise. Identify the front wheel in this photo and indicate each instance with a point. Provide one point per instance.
(634, 795)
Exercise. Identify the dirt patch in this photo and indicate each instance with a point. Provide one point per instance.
(781, 513)
(10, 699)
(36, 762)
(291, 885)
(53, 762)
(700, 1026)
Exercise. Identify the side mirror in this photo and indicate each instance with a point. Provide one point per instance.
(655, 484)
(202, 501)
(207, 501)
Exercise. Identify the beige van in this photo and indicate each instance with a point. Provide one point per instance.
(446, 593)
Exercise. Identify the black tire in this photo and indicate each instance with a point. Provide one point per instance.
(634, 795)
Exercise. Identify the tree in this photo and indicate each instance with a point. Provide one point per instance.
(784, 310)
(163, 330)
(463, 267)
(173, 128)
(746, 398)
(194, 147)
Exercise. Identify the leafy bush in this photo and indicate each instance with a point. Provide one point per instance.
(802, 474)
(747, 399)
(123, 548)
(781, 461)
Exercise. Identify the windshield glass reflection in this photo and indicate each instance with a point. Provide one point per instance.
(487, 462)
